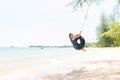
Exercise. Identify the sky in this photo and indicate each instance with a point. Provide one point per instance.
(46, 22)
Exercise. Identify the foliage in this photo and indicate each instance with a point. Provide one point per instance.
(105, 41)
(88, 44)
(108, 35)
(80, 3)
(103, 27)
(114, 33)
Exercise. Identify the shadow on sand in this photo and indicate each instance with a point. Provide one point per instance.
(68, 76)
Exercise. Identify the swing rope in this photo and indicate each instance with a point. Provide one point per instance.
(84, 19)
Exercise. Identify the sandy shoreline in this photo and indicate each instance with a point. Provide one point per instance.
(61, 64)
(100, 73)
(93, 65)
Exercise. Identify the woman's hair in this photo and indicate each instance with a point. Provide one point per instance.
(70, 34)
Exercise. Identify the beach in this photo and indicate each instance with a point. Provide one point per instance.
(60, 64)
(99, 64)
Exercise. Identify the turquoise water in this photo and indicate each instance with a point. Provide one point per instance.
(10, 53)
(14, 62)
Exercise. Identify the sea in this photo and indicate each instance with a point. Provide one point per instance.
(29, 63)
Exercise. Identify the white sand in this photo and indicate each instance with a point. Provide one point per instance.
(95, 64)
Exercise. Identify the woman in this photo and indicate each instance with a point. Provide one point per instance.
(74, 41)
